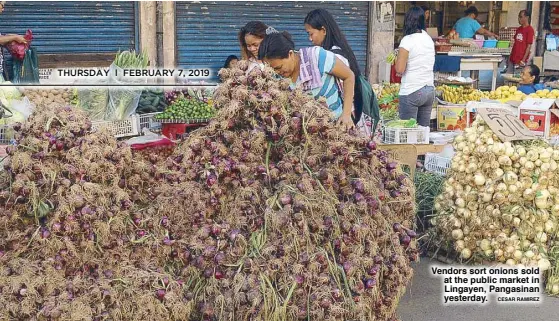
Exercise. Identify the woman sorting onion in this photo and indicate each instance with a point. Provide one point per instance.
(315, 70)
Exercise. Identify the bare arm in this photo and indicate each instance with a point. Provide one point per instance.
(527, 53)
(401, 60)
(343, 72)
(5, 39)
(485, 32)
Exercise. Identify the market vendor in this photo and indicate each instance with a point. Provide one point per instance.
(415, 61)
(523, 40)
(314, 69)
(250, 37)
(468, 26)
(530, 80)
(6, 39)
(323, 31)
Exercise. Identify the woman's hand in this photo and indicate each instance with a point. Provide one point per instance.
(401, 61)
(18, 38)
(346, 122)
(343, 72)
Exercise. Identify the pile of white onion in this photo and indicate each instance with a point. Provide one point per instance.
(500, 202)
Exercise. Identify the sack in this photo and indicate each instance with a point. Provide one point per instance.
(370, 101)
(26, 71)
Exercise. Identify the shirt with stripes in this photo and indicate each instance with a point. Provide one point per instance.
(325, 62)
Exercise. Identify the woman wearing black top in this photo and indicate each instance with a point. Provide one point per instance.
(323, 31)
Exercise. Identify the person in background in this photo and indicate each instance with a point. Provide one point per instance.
(468, 26)
(231, 61)
(530, 80)
(6, 39)
(323, 31)
(415, 61)
(250, 37)
(427, 15)
(523, 40)
(315, 70)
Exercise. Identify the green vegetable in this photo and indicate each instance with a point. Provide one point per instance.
(125, 101)
(188, 109)
(151, 101)
(427, 187)
(94, 101)
(389, 114)
(411, 123)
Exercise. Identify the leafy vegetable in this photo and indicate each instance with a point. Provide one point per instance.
(410, 123)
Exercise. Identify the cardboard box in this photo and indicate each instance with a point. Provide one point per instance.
(451, 117)
(505, 124)
(540, 116)
(472, 106)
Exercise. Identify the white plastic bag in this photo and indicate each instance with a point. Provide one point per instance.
(24, 107)
(123, 101)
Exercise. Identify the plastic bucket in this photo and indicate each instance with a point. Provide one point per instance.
(479, 43)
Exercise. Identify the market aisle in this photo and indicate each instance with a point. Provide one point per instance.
(422, 302)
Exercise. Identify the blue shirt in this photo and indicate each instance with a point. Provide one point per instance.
(530, 89)
(467, 27)
(325, 60)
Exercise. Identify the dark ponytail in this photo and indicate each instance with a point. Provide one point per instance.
(276, 46)
(535, 71)
(321, 18)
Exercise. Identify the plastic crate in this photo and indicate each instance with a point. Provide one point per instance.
(419, 135)
(148, 121)
(507, 33)
(178, 131)
(120, 128)
(490, 43)
(6, 134)
(437, 164)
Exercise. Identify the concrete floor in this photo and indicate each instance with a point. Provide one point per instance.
(422, 302)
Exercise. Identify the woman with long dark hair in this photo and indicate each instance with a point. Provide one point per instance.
(250, 37)
(313, 69)
(323, 31)
(416, 58)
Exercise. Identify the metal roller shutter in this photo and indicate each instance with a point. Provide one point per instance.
(61, 27)
(207, 31)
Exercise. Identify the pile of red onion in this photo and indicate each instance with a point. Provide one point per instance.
(269, 212)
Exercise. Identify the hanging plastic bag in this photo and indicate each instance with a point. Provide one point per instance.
(27, 71)
(93, 100)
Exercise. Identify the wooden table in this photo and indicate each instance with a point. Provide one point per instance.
(477, 64)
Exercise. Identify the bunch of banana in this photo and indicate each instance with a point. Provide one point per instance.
(459, 94)
(390, 89)
(391, 58)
